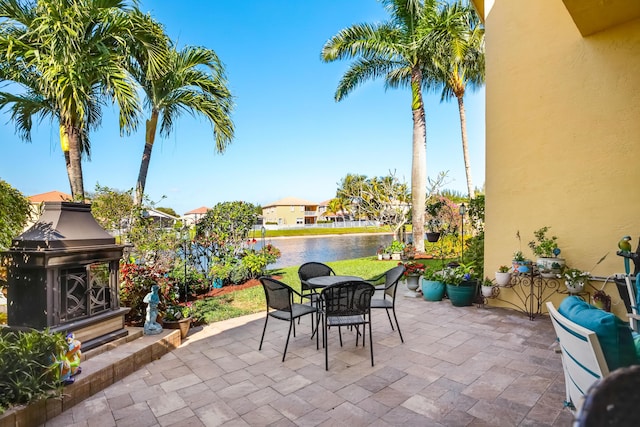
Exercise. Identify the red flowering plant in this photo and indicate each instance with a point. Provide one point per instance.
(413, 268)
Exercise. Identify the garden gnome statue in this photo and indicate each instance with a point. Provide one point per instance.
(69, 361)
(151, 327)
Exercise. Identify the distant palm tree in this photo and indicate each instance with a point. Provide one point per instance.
(194, 82)
(335, 207)
(397, 51)
(460, 63)
(70, 57)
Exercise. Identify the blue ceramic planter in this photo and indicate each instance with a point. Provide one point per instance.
(432, 290)
(462, 295)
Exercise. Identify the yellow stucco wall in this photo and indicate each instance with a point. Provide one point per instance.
(563, 135)
(285, 214)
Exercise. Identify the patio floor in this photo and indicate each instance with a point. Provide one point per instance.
(457, 367)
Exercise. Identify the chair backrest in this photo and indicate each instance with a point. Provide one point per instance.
(391, 279)
(612, 401)
(313, 269)
(583, 361)
(348, 298)
(279, 295)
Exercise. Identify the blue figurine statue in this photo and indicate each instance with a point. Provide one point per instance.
(152, 299)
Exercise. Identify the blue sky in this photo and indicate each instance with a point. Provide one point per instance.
(292, 138)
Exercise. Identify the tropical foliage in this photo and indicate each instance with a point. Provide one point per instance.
(459, 63)
(192, 81)
(381, 199)
(112, 209)
(14, 213)
(69, 58)
(28, 370)
(394, 50)
(425, 44)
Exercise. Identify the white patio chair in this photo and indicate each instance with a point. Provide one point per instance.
(583, 361)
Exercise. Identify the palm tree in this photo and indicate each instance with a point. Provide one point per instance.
(71, 57)
(460, 63)
(394, 50)
(194, 81)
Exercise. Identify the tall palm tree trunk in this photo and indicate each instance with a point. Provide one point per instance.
(73, 159)
(419, 161)
(465, 147)
(150, 137)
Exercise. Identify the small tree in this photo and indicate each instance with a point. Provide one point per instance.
(112, 208)
(227, 225)
(14, 213)
(384, 199)
(221, 237)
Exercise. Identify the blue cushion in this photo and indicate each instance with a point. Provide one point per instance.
(613, 334)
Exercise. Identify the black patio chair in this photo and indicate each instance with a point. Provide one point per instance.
(346, 304)
(310, 270)
(388, 301)
(280, 306)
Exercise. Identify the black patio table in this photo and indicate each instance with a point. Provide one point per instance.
(324, 281)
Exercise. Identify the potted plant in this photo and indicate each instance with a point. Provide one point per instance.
(520, 263)
(178, 317)
(434, 220)
(602, 300)
(395, 248)
(432, 285)
(386, 255)
(409, 251)
(413, 271)
(547, 251)
(461, 284)
(503, 276)
(380, 252)
(575, 279)
(487, 288)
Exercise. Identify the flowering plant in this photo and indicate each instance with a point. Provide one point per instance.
(413, 268)
(456, 275)
(177, 312)
(573, 275)
(432, 274)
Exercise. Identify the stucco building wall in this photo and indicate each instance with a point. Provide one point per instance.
(563, 134)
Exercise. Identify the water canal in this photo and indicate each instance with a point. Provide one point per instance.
(298, 250)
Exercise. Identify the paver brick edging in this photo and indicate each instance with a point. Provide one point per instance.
(99, 370)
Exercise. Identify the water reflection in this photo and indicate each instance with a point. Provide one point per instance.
(298, 250)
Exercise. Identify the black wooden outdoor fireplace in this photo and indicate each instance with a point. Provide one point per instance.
(63, 275)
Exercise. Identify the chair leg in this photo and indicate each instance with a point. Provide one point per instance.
(398, 325)
(340, 334)
(291, 325)
(389, 316)
(370, 339)
(325, 342)
(266, 319)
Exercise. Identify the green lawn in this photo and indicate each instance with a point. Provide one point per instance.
(252, 300)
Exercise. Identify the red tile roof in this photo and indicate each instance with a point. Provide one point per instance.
(200, 210)
(51, 196)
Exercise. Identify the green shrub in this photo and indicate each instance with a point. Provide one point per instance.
(196, 281)
(136, 281)
(27, 371)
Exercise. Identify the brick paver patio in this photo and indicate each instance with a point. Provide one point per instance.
(457, 367)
